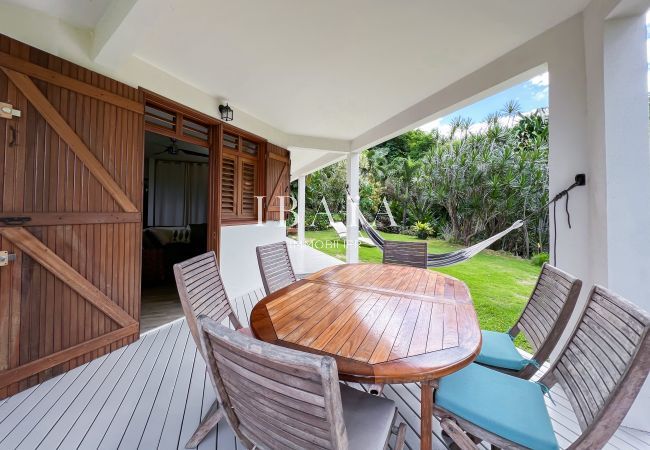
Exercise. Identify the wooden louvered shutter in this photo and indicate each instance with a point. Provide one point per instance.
(229, 186)
(248, 182)
(240, 172)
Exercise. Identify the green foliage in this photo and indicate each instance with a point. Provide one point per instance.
(467, 185)
(539, 259)
(422, 230)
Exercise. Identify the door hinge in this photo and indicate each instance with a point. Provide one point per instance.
(6, 257)
(7, 111)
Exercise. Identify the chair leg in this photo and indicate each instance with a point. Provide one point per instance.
(400, 431)
(376, 389)
(457, 434)
(214, 415)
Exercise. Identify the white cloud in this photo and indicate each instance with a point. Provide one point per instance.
(540, 80)
(436, 124)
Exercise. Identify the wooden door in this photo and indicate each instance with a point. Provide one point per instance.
(278, 179)
(70, 202)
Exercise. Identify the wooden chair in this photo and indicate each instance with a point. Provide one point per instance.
(542, 321)
(275, 266)
(412, 254)
(275, 397)
(601, 370)
(202, 292)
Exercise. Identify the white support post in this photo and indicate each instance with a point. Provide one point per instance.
(628, 172)
(301, 210)
(352, 244)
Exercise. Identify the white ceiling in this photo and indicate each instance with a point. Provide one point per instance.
(330, 68)
(337, 68)
(81, 13)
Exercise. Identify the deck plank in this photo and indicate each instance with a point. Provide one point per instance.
(86, 402)
(126, 429)
(194, 404)
(156, 416)
(171, 432)
(75, 397)
(153, 393)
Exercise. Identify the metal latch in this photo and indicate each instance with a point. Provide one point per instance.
(7, 111)
(6, 257)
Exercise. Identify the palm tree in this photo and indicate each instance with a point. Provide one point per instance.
(403, 172)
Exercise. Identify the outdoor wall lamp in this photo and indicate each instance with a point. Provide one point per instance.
(226, 112)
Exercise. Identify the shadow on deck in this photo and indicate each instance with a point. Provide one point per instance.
(152, 394)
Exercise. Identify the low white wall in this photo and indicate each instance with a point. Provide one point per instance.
(238, 261)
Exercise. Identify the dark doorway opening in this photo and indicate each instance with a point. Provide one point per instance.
(175, 221)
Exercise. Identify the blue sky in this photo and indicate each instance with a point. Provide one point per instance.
(531, 95)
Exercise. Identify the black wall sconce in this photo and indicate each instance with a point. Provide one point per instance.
(226, 112)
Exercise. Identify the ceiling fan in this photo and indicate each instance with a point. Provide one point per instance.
(173, 150)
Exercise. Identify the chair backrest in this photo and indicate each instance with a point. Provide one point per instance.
(340, 229)
(603, 365)
(202, 292)
(406, 253)
(275, 266)
(548, 310)
(274, 397)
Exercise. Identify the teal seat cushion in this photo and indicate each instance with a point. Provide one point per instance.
(502, 404)
(498, 350)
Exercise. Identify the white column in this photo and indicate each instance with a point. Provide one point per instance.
(352, 244)
(628, 172)
(301, 210)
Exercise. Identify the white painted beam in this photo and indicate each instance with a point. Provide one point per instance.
(301, 209)
(116, 34)
(352, 242)
(325, 160)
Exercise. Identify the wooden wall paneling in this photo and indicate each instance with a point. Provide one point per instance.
(64, 184)
(278, 173)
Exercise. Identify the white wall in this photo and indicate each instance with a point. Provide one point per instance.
(238, 260)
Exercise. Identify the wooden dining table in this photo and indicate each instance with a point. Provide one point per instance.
(381, 323)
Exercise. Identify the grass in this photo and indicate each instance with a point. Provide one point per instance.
(499, 283)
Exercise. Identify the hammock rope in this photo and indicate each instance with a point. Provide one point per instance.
(462, 255)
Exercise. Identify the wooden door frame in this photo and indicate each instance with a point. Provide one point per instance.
(214, 156)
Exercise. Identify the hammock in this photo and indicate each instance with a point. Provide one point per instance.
(443, 259)
(451, 258)
(436, 259)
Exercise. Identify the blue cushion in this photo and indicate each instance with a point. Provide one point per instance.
(498, 350)
(502, 404)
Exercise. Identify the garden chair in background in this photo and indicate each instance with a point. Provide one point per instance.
(342, 231)
(275, 266)
(202, 292)
(601, 370)
(412, 254)
(542, 321)
(275, 397)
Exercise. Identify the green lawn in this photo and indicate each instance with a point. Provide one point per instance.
(500, 284)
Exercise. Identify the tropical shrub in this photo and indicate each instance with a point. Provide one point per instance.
(539, 259)
(467, 184)
(422, 230)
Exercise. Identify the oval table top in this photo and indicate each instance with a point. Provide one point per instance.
(382, 323)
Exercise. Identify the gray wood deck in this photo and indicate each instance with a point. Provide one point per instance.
(152, 393)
